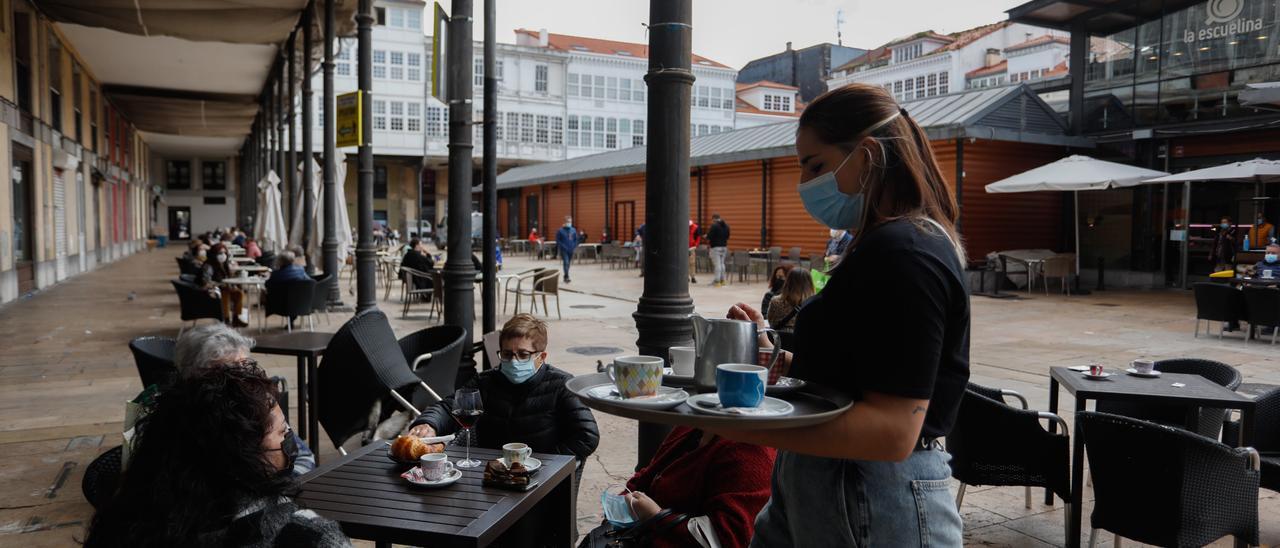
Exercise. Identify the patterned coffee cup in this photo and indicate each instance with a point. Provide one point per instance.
(636, 376)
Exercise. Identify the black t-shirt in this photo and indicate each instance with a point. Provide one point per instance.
(893, 319)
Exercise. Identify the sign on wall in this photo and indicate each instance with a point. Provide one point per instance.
(348, 128)
(1223, 19)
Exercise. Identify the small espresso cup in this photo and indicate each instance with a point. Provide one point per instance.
(1143, 365)
(636, 376)
(516, 452)
(741, 384)
(435, 466)
(1095, 369)
(682, 358)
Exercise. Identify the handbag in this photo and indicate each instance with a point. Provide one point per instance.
(607, 536)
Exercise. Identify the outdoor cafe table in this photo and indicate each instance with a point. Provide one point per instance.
(1197, 392)
(307, 346)
(364, 493)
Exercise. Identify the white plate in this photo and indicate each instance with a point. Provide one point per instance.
(1152, 375)
(710, 404)
(1098, 377)
(666, 397)
(530, 463)
(414, 476)
(1079, 368)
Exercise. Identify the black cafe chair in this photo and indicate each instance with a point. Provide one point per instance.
(195, 303)
(434, 354)
(320, 299)
(1209, 423)
(292, 299)
(154, 358)
(1217, 303)
(102, 477)
(993, 443)
(1262, 309)
(1168, 487)
(1266, 436)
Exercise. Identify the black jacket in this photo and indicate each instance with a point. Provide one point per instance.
(420, 262)
(719, 234)
(540, 412)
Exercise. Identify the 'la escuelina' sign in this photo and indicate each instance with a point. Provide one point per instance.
(1223, 21)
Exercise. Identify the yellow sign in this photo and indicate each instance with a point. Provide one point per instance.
(348, 109)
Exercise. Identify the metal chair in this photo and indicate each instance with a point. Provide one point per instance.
(363, 376)
(434, 355)
(794, 256)
(1262, 309)
(702, 259)
(993, 443)
(292, 299)
(320, 301)
(1217, 303)
(522, 290)
(506, 281)
(546, 284)
(1168, 487)
(1061, 266)
(741, 264)
(154, 358)
(196, 304)
(1209, 422)
(410, 290)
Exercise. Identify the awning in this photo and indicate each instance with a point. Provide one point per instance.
(1252, 171)
(1075, 173)
(1265, 94)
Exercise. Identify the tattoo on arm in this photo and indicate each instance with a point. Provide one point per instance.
(919, 409)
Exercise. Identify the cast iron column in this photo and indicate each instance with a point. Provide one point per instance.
(279, 121)
(459, 274)
(308, 197)
(329, 245)
(366, 269)
(489, 295)
(662, 314)
(291, 164)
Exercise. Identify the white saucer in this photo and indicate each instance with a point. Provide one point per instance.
(414, 476)
(1091, 376)
(1152, 375)
(666, 397)
(785, 385)
(531, 464)
(710, 404)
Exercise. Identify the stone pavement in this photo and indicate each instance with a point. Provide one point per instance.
(65, 371)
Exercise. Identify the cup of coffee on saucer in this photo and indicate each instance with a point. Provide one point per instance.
(435, 466)
(516, 452)
(1143, 367)
(740, 384)
(636, 376)
(682, 358)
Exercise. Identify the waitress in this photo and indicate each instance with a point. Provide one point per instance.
(891, 330)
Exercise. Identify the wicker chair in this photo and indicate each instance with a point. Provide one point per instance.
(1262, 309)
(993, 443)
(434, 355)
(1166, 486)
(291, 300)
(547, 283)
(195, 303)
(1266, 436)
(1210, 421)
(102, 477)
(411, 293)
(154, 358)
(1217, 303)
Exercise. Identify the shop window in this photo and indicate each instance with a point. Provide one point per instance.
(178, 175)
(379, 182)
(213, 175)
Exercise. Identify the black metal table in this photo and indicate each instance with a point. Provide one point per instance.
(1197, 392)
(364, 493)
(307, 346)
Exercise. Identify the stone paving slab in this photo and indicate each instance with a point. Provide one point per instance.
(65, 371)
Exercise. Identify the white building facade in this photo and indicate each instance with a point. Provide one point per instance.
(766, 102)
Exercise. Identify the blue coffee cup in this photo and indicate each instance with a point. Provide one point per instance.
(740, 384)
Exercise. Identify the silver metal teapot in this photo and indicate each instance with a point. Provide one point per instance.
(720, 340)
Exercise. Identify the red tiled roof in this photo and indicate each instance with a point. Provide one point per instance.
(966, 37)
(957, 41)
(923, 34)
(765, 84)
(1038, 41)
(1061, 68)
(565, 42)
(997, 68)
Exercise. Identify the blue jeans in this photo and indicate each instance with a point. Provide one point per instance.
(819, 502)
(566, 257)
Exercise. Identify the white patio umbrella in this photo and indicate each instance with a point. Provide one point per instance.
(315, 246)
(1256, 170)
(269, 227)
(1075, 173)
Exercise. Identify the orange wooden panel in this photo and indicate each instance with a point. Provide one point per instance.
(789, 224)
(628, 188)
(559, 198)
(590, 214)
(994, 222)
(733, 191)
(1258, 142)
(503, 208)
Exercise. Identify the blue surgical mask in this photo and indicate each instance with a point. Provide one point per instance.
(1270, 257)
(1225, 226)
(518, 371)
(824, 201)
(616, 510)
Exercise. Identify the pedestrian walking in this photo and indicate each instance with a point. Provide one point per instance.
(695, 238)
(718, 237)
(566, 244)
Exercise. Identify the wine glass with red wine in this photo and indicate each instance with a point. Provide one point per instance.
(467, 409)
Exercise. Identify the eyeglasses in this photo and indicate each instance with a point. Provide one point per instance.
(521, 355)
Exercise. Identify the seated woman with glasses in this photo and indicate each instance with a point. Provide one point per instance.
(525, 400)
(212, 467)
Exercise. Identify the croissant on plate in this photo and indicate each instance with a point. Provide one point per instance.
(411, 448)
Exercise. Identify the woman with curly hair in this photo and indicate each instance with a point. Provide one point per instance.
(212, 467)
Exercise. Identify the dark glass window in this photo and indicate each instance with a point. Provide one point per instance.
(214, 175)
(380, 182)
(178, 176)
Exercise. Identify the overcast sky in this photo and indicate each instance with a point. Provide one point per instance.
(734, 32)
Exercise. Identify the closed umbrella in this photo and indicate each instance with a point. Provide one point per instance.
(269, 227)
(312, 247)
(343, 230)
(1256, 170)
(1075, 173)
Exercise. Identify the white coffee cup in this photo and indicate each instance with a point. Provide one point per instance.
(435, 466)
(1143, 365)
(516, 452)
(682, 358)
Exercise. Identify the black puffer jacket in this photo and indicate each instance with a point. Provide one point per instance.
(541, 412)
